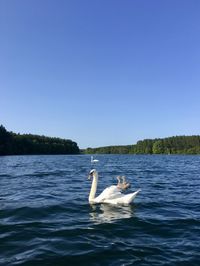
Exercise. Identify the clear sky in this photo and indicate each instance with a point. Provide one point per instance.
(100, 72)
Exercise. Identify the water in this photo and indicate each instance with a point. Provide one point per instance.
(45, 218)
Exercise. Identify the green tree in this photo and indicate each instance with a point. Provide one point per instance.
(5, 141)
(158, 147)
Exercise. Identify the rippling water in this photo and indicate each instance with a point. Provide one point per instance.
(45, 218)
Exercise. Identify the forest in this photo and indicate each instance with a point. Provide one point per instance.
(28, 144)
(170, 145)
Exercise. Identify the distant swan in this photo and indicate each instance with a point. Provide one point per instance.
(94, 160)
(112, 194)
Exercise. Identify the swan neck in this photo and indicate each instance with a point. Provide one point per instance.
(93, 187)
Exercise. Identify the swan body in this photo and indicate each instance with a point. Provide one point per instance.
(94, 160)
(111, 195)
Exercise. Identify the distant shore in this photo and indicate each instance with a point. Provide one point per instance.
(171, 145)
(29, 144)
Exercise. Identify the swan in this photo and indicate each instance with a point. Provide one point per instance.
(94, 160)
(112, 194)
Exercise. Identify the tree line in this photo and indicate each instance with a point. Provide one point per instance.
(21, 144)
(171, 145)
(28, 144)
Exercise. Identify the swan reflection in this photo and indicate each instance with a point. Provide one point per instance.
(106, 213)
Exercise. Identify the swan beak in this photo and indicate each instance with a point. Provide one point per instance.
(89, 177)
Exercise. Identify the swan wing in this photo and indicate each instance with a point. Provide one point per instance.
(108, 193)
(124, 199)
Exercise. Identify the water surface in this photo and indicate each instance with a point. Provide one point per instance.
(45, 218)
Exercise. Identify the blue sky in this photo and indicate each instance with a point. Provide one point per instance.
(101, 73)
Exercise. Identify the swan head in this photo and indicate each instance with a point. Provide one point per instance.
(92, 173)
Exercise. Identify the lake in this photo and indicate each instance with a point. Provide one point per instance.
(45, 217)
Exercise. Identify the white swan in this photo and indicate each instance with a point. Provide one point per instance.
(94, 160)
(110, 195)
